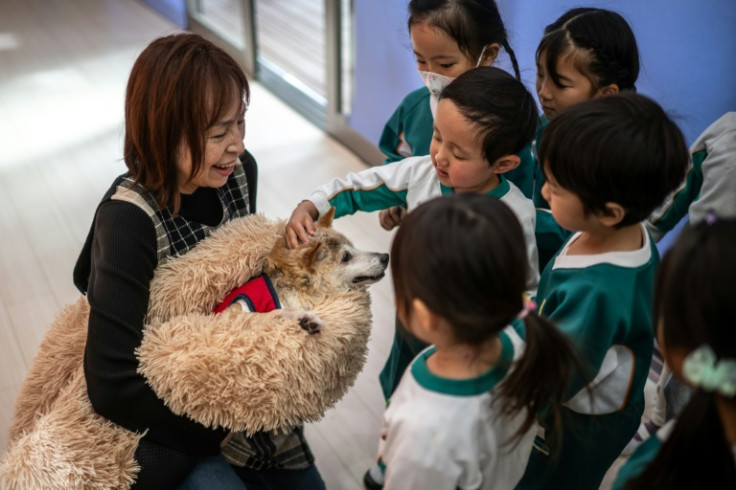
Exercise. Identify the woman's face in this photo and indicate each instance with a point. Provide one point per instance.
(224, 143)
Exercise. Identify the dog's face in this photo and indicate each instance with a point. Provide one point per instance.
(328, 263)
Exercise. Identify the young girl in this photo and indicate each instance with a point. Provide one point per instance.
(609, 162)
(449, 37)
(693, 309)
(584, 54)
(464, 413)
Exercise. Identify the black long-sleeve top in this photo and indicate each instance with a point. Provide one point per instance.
(116, 272)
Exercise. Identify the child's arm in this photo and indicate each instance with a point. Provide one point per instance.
(372, 189)
(597, 319)
(708, 185)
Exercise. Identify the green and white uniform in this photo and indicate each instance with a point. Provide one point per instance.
(710, 183)
(409, 183)
(409, 133)
(409, 130)
(603, 303)
(644, 454)
(416, 449)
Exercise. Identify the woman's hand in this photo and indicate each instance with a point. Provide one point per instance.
(301, 224)
(391, 218)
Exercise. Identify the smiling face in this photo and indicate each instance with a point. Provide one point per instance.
(457, 153)
(224, 143)
(437, 52)
(574, 86)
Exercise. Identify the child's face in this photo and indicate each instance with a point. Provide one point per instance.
(224, 143)
(437, 52)
(457, 154)
(566, 206)
(575, 88)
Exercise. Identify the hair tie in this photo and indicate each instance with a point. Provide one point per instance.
(529, 307)
(704, 370)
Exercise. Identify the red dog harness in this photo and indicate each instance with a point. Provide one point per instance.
(257, 295)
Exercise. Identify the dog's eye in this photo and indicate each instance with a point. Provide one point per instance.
(346, 256)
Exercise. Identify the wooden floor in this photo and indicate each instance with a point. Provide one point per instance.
(63, 69)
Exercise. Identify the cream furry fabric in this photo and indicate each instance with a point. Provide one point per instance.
(243, 371)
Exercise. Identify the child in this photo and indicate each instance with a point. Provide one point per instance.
(448, 39)
(693, 311)
(608, 163)
(464, 413)
(483, 120)
(584, 54)
(708, 185)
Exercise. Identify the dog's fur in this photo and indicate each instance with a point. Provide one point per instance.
(242, 371)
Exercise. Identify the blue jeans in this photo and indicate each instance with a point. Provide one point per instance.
(306, 479)
(213, 473)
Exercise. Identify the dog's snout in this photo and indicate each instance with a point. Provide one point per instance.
(383, 258)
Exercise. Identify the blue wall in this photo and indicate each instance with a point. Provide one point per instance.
(688, 55)
(174, 10)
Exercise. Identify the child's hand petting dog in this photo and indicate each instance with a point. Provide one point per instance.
(300, 226)
(309, 322)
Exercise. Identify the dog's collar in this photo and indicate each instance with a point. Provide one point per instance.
(256, 295)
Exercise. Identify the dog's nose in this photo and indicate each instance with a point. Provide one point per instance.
(383, 258)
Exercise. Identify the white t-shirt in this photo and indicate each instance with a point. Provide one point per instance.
(440, 433)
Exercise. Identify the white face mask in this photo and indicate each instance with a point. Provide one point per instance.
(436, 82)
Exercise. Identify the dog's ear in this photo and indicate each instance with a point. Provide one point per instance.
(312, 255)
(326, 220)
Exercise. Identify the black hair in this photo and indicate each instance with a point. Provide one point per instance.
(463, 256)
(473, 24)
(501, 107)
(693, 304)
(622, 148)
(602, 44)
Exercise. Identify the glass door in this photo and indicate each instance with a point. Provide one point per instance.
(229, 23)
(300, 50)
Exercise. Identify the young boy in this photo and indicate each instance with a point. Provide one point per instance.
(608, 164)
(482, 124)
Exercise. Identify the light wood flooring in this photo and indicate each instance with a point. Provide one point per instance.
(63, 69)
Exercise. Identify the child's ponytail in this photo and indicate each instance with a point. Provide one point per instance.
(540, 380)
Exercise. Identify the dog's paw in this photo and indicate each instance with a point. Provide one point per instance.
(310, 323)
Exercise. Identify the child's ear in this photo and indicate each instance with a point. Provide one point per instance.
(426, 319)
(612, 215)
(506, 163)
(490, 54)
(610, 89)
